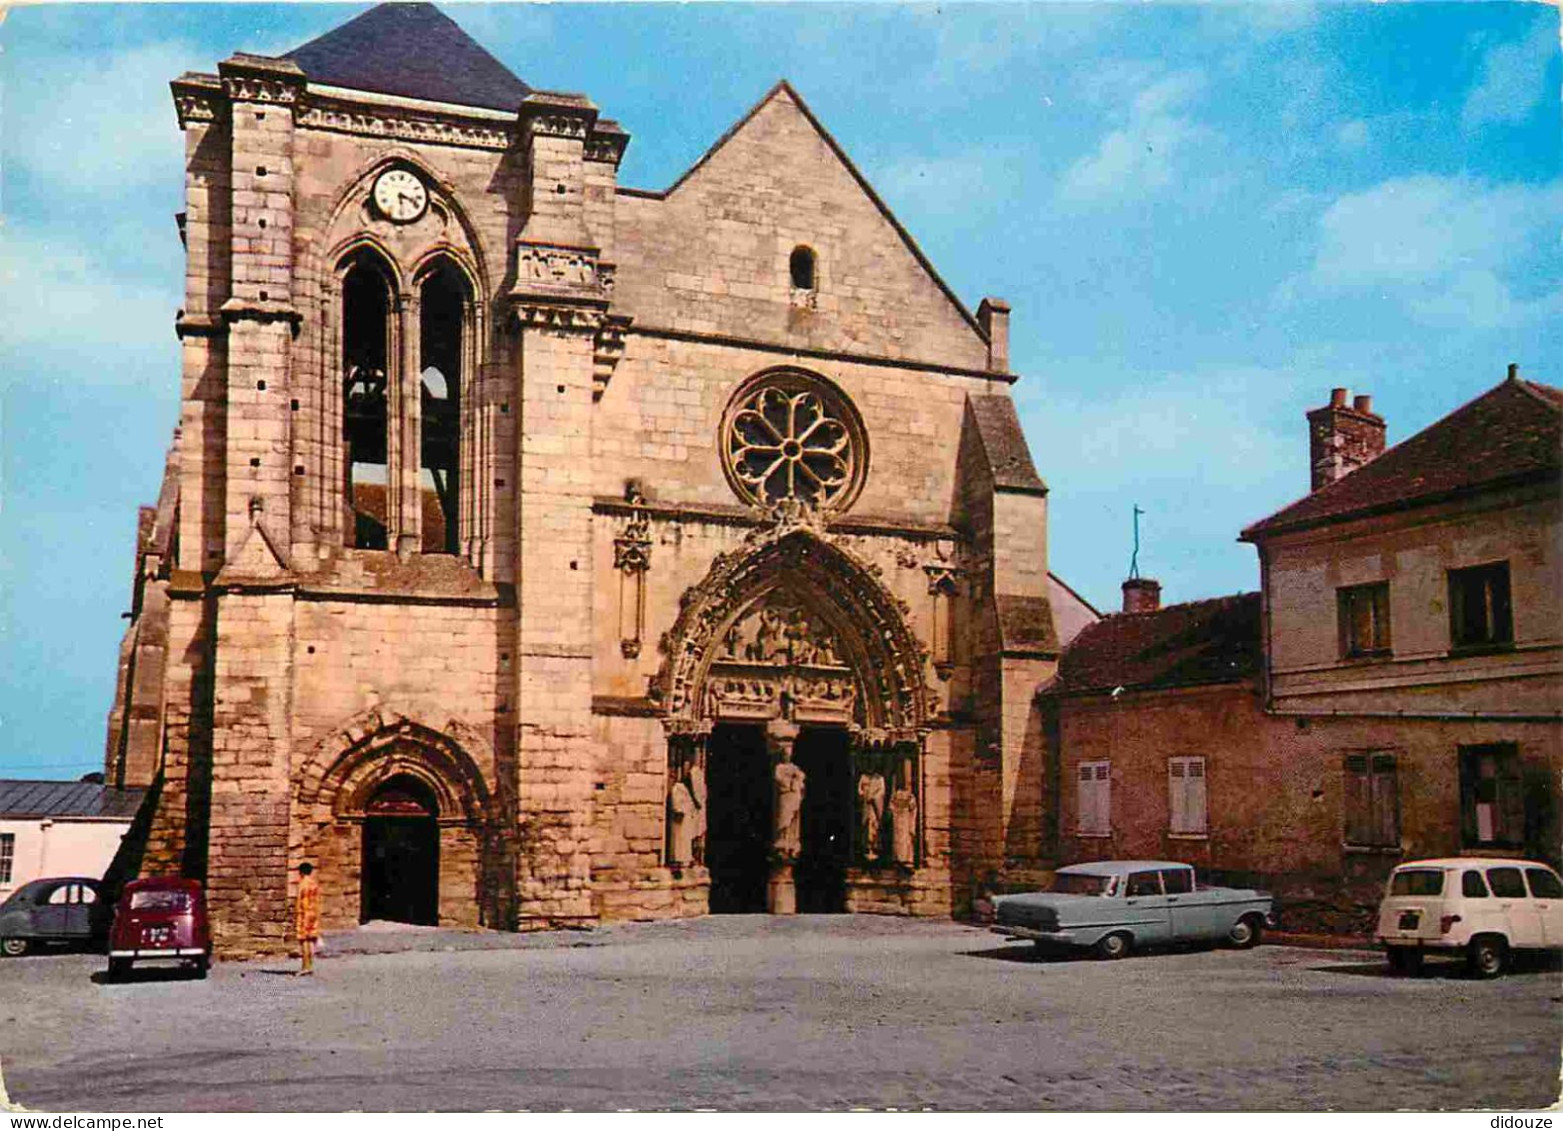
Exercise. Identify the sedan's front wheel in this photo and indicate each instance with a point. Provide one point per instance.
(13, 948)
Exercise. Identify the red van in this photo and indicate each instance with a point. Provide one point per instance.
(162, 919)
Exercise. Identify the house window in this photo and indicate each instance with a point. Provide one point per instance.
(1479, 610)
(7, 855)
(1372, 801)
(1095, 799)
(1364, 619)
(1492, 799)
(1186, 796)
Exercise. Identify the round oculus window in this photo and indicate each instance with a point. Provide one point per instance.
(791, 435)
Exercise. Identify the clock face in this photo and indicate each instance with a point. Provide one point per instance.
(400, 196)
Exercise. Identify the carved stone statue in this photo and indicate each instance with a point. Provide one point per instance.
(871, 811)
(788, 840)
(903, 826)
(683, 817)
(697, 790)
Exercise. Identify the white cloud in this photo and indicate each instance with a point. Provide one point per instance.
(1452, 249)
(112, 126)
(63, 303)
(1352, 135)
(1513, 79)
(1257, 19)
(1138, 158)
(939, 185)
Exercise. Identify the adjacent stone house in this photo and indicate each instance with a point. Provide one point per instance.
(1392, 692)
(536, 550)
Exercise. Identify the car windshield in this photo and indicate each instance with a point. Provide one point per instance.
(1079, 883)
(1417, 881)
(160, 901)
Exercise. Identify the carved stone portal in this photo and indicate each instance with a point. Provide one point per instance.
(779, 661)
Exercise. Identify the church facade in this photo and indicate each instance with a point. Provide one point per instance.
(535, 550)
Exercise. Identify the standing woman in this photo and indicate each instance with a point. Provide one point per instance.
(306, 917)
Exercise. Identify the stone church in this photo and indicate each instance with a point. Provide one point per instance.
(535, 550)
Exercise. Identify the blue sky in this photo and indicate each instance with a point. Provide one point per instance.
(1204, 217)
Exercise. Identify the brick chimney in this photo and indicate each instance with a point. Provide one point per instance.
(1342, 437)
(1141, 595)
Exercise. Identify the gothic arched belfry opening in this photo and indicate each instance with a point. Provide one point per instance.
(539, 550)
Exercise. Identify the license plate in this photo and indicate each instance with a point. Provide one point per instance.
(1409, 920)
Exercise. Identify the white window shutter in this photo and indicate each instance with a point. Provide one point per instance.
(1194, 790)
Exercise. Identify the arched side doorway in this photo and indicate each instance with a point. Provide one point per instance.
(399, 825)
(400, 872)
(796, 721)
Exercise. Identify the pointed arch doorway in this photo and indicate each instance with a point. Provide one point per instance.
(401, 854)
(795, 715)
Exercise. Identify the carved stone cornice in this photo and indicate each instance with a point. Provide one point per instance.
(244, 310)
(402, 123)
(546, 113)
(567, 317)
(606, 142)
(257, 78)
(199, 326)
(197, 98)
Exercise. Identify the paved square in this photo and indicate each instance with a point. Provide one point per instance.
(762, 1013)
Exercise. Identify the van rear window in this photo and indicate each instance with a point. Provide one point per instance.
(1417, 881)
(160, 901)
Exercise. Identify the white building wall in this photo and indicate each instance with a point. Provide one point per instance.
(68, 846)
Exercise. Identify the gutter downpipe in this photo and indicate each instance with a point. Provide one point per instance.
(1264, 668)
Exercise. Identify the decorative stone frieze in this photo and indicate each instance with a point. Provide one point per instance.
(557, 316)
(403, 124)
(197, 98)
(256, 78)
(546, 113)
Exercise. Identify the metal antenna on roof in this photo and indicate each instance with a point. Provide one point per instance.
(1134, 558)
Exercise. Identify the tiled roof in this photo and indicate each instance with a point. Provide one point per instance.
(1509, 434)
(67, 799)
(1201, 642)
(412, 50)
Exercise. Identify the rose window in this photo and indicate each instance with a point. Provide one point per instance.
(790, 436)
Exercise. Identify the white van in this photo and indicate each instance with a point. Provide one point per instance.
(1481, 907)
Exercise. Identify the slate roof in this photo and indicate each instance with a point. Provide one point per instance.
(1510, 434)
(19, 799)
(412, 50)
(1202, 642)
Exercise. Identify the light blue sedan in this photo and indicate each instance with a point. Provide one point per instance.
(1114, 906)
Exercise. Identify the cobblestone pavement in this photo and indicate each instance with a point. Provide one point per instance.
(759, 1013)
